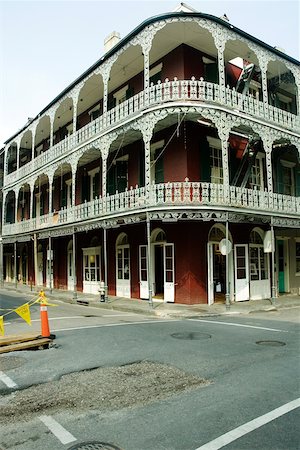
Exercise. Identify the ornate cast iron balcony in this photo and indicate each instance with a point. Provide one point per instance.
(193, 90)
(185, 196)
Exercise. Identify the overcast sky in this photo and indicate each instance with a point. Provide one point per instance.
(45, 45)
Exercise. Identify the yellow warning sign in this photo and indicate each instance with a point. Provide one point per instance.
(24, 312)
(1, 325)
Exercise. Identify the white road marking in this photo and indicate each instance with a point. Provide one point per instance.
(59, 431)
(113, 325)
(6, 380)
(238, 432)
(238, 325)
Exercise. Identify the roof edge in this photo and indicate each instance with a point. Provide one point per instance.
(134, 32)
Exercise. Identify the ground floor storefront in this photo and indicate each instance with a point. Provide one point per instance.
(180, 261)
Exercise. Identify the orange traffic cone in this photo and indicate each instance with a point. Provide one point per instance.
(44, 321)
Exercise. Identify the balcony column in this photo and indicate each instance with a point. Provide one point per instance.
(105, 72)
(16, 205)
(220, 44)
(5, 163)
(4, 208)
(223, 132)
(33, 144)
(50, 177)
(146, 51)
(31, 199)
(18, 155)
(75, 103)
(263, 65)
(104, 145)
(268, 145)
(73, 186)
(51, 115)
(15, 265)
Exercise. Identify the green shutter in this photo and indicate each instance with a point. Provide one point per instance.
(121, 172)
(111, 180)
(142, 168)
(212, 73)
(297, 181)
(159, 167)
(280, 187)
(85, 188)
(111, 103)
(129, 93)
(205, 161)
(97, 184)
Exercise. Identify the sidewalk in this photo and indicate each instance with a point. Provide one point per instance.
(161, 309)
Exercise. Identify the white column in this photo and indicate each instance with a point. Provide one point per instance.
(50, 178)
(74, 267)
(16, 205)
(146, 51)
(18, 155)
(51, 130)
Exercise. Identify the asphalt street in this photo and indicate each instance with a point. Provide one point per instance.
(252, 362)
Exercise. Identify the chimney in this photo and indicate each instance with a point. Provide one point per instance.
(111, 40)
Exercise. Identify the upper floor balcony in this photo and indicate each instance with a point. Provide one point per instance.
(181, 196)
(161, 95)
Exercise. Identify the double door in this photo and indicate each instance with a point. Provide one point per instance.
(161, 269)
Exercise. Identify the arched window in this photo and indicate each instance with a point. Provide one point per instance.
(122, 257)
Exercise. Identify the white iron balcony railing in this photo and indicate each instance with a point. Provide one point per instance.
(177, 90)
(189, 195)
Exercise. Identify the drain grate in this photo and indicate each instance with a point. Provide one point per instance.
(191, 336)
(94, 446)
(271, 343)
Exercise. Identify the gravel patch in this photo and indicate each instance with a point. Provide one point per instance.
(106, 388)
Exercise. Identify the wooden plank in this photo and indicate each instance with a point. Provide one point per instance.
(24, 345)
(17, 338)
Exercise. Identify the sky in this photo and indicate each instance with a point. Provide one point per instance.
(45, 45)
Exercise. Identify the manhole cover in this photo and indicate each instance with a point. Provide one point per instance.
(94, 446)
(271, 343)
(192, 336)
(11, 362)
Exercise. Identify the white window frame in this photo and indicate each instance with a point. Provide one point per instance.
(153, 147)
(91, 174)
(156, 69)
(216, 171)
(259, 160)
(120, 95)
(289, 165)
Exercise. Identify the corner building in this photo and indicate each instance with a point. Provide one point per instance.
(169, 169)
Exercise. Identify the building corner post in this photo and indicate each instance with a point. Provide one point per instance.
(149, 260)
(74, 266)
(227, 294)
(273, 288)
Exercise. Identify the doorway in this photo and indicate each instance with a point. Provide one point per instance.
(159, 271)
(70, 267)
(217, 266)
(282, 252)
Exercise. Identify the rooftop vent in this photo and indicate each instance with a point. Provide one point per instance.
(111, 40)
(183, 7)
(224, 17)
(280, 49)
